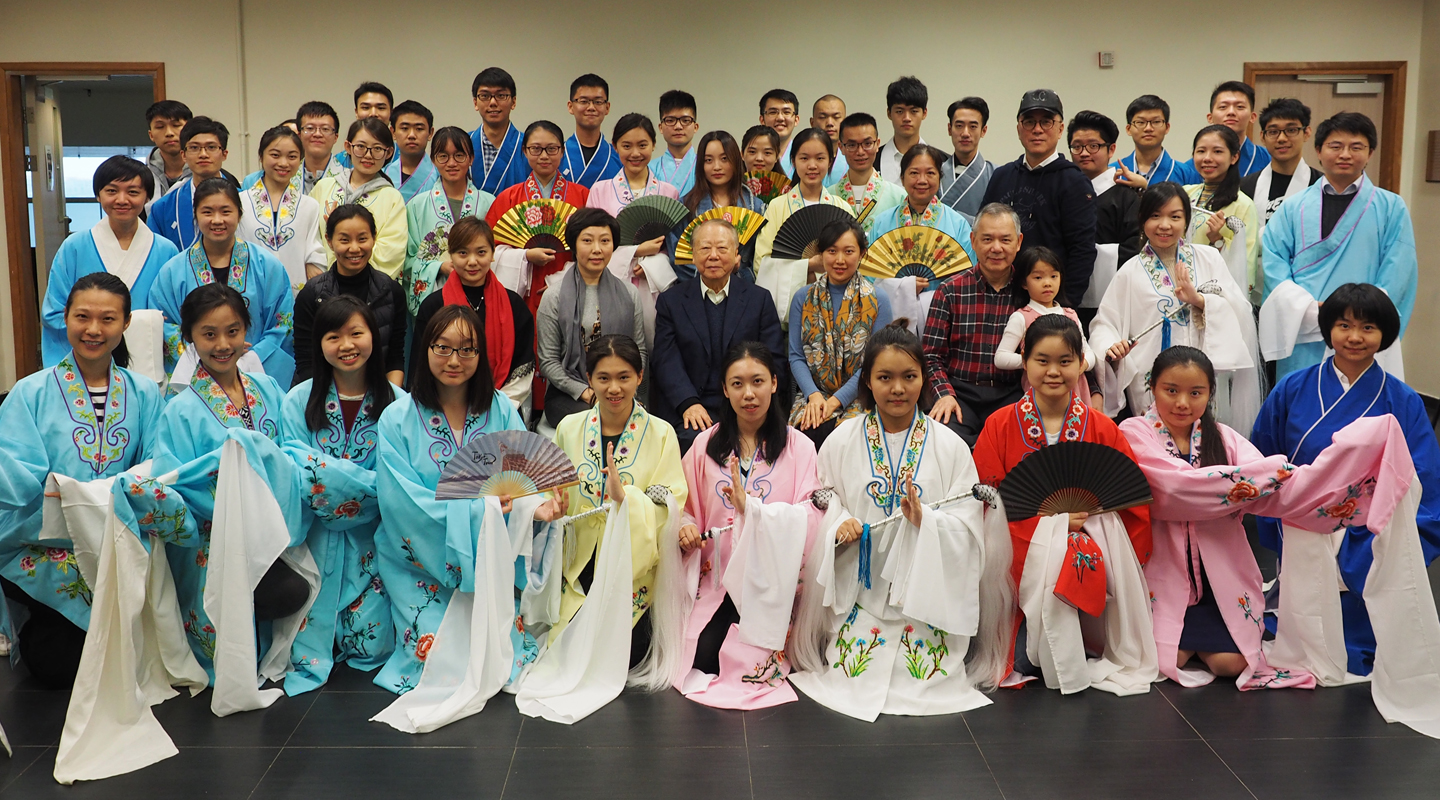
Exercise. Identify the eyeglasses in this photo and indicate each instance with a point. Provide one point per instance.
(859, 147)
(445, 351)
(207, 149)
(311, 130)
(1147, 124)
(1336, 148)
(671, 122)
(499, 97)
(445, 158)
(1031, 123)
(1092, 148)
(590, 102)
(1290, 133)
(548, 149)
(371, 151)
(779, 113)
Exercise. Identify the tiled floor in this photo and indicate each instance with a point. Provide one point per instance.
(1211, 743)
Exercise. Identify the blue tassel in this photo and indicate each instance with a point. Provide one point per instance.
(865, 555)
(1165, 334)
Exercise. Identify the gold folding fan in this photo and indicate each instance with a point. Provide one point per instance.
(913, 250)
(767, 185)
(747, 223)
(534, 223)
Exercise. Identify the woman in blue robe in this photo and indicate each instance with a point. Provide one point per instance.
(1309, 405)
(332, 421)
(86, 418)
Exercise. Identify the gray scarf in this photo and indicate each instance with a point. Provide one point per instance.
(617, 315)
(353, 195)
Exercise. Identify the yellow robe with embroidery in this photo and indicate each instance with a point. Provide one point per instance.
(391, 232)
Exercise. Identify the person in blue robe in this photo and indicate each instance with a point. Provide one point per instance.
(87, 418)
(252, 271)
(1309, 405)
(496, 167)
(205, 141)
(592, 163)
(413, 124)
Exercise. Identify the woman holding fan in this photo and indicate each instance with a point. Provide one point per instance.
(720, 182)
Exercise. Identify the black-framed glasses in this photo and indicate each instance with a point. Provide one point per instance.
(499, 97)
(441, 159)
(1092, 148)
(1291, 132)
(1030, 123)
(1147, 124)
(590, 102)
(545, 149)
(445, 351)
(859, 147)
(673, 121)
(373, 151)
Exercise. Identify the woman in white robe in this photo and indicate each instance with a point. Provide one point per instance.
(277, 214)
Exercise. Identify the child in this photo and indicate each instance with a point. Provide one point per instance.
(760, 147)
(1038, 279)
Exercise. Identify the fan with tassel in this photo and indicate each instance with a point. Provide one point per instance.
(534, 223)
(1073, 477)
(649, 217)
(767, 185)
(797, 238)
(927, 253)
(747, 223)
(513, 463)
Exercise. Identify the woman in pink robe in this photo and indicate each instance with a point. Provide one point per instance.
(745, 577)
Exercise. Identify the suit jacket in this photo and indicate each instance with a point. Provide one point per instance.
(684, 370)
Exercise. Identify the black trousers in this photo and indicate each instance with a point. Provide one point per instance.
(707, 647)
(559, 405)
(977, 403)
(49, 643)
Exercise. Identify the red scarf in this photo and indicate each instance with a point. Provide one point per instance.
(499, 321)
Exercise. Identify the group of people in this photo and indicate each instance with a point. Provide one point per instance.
(797, 455)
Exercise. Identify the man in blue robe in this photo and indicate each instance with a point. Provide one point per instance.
(499, 162)
(411, 170)
(205, 142)
(1147, 122)
(589, 158)
(679, 122)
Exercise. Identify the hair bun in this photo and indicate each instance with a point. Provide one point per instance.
(900, 322)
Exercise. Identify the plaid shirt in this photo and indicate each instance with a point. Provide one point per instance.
(967, 319)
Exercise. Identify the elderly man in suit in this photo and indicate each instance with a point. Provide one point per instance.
(697, 321)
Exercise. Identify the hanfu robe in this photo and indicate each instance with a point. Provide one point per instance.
(172, 215)
(428, 219)
(1165, 168)
(50, 426)
(747, 200)
(883, 193)
(257, 276)
(422, 180)
(678, 172)
(1373, 242)
(782, 277)
(429, 553)
(1302, 414)
(904, 301)
(1140, 294)
(964, 191)
(614, 194)
(1059, 574)
(507, 169)
(290, 230)
(97, 250)
(511, 266)
(757, 563)
(900, 604)
(350, 620)
(602, 166)
(383, 201)
(1241, 248)
(1252, 160)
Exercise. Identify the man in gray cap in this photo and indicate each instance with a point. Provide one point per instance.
(1053, 197)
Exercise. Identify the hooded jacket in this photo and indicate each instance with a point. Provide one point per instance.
(1056, 207)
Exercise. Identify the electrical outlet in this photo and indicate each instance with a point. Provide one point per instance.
(1107, 59)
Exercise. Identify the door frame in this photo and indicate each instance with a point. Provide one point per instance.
(1392, 133)
(24, 308)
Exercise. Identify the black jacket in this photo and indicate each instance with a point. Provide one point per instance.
(378, 290)
(1116, 221)
(1056, 208)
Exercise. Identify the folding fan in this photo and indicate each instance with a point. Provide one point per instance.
(534, 223)
(514, 463)
(767, 185)
(1073, 477)
(747, 223)
(651, 216)
(926, 252)
(796, 238)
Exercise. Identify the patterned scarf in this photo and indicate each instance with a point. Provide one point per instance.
(926, 218)
(1032, 426)
(891, 469)
(98, 441)
(274, 225)
(1165, 301)
(1193, 459)
(533, 191)
(834, 344)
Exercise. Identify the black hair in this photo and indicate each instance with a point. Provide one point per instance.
(1212, 444)
(701, 190)
(756, 131)
(921, 149)
(1154, 198)
(1285, 108)
(831, 233)
(1026, 261)
(618, 345)
(1047, 325)
(592, 80)
(371, 87)
(374, 126)
(349, 211)
(589, 218)
(450, 134)
(858, 120)
(1352, 122)
(542, 125)
(468, 229)
(1229, 189)
(1234, 86)
(1366, 303)
(207, 298)
(774, 432)
(123, 169)
(199, 125)
(217, 185)
(630, 122)
(105, 282)
(279, 132)
(173, 110)
(330, 315)
(492, 76)
(424, 387)
(783, 95)
(676, 100)
(907, 91)
(318, 108)
(810, 135)
(1093, 121)
(897, 335)
(976, 104)
(414, 109)
(1148, 102)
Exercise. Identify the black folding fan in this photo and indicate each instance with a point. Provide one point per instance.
(1073, 477)
(797, 237)
(651, 216)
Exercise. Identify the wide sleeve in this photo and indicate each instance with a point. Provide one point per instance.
(1398, 271)
(1277, 246)
(314, 242)
(1111, 326)
(392, 238)
(276, 344)
(648, 521)
(512, 268)
(165, 298)
(781, 277)
(1255, 277)
(339, 491)
(1185, 493)
(24, 466)
(420, 274)
(64, 271)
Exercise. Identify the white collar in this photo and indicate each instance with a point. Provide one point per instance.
(124, 264)
(1102, 182)
(1051, 158)
(1329, 188)
(714, 296)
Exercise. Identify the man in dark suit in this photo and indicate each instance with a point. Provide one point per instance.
(697, 321)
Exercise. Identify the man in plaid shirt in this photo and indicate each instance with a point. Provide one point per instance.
(967, 319)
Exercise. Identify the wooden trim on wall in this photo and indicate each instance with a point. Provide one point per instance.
(24, 308)
(1392, 134)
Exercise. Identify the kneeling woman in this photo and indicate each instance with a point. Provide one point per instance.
(753, 475)
(331, 422)
(1058, 602)
(86, 418)
(894, 608)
